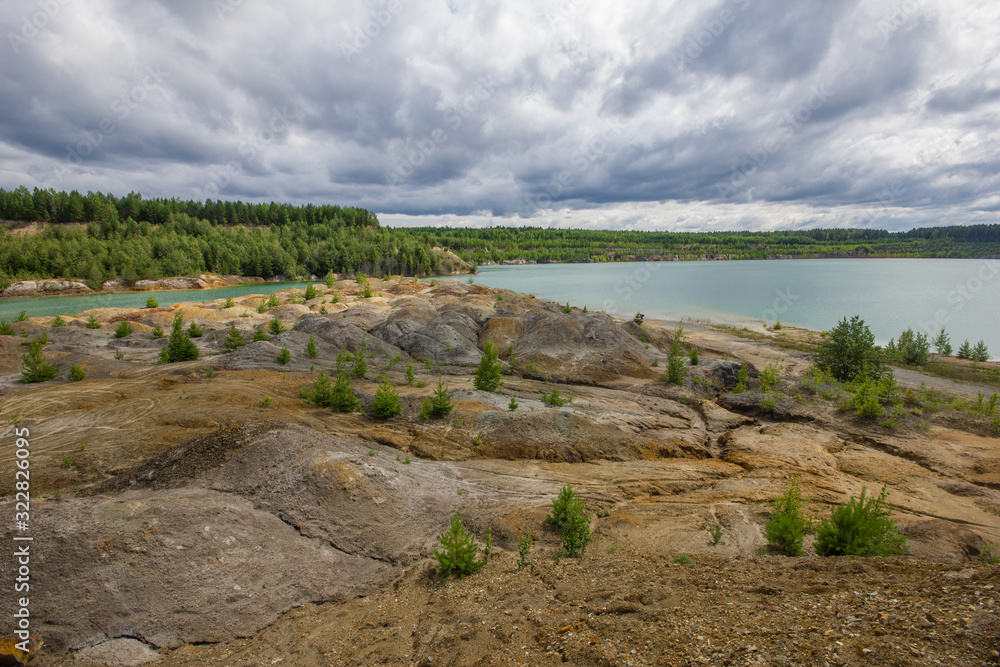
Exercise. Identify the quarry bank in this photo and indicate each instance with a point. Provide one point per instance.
(204, 511)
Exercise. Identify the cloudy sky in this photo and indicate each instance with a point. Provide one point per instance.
(653, 114)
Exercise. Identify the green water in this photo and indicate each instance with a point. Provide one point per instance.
(962, 295)
(73, 304)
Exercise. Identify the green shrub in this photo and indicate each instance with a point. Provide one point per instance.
(568, 515)
(123, 329)
(58, 322)
(92, 323)
(359, 369)
(777, 325)
(861, 527)
(360, 278)
(34, 367)
(229, 303)
(788, 526)
(409, 374)
(7, 330)
(489, 374)
(524, 551)
(913, 349)
(458, 551)
(367, 293)
(965, 350)
(179, 347)
(386, 403)
(770, 376)
(553, 399)
(561, 505)
(194, 331)
(284, 356)
(512, 405)
(276, 327)
(21, 316)
(310, 292)
(311, 347)
(693, 356)
(638, 319)
(151, 303)
(335, 299)
(848, 351)
(715, 532)
(675, 359)
(234, 339)
(742, 379)
(942, 343)
(260, 335)
(322, 391)
(272, 301)
(157, 332)
(682, 559)
(438, 405)
(76, 373)
(261, 307)
(331, 279)
(567, 309)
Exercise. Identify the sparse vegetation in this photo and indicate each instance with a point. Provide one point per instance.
(284, 356)
(157, 332)
(715, 532)
(675, 359)
(276, 327)
(568, 515)
(151, 303)
(787, 527)
(770, 376)
(123, 329)
(58, 322)
(861, 527)
(311, 347)
(438, 405)
(76, 373)
(34, 367)
(386, 403)
(682, 559)
(179, 347)
(194, 331)
(458, 551)
(553, 399)
(742, 379)
(260, 335)
(848, 351)
(359, 368)
(310, 292)
(524, 551)
(489, 374)
(512, 404)
(92, 323)
(234, 339)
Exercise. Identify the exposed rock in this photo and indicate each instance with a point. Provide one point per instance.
(449, 338)
(29, 287)
(724, 372)
(580, 348)
(122, 652)
(171, 283)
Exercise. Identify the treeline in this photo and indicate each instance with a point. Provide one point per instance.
(308, 240)
(52, 206)
(495, 244)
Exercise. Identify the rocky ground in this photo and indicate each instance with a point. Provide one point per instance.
(205, 513)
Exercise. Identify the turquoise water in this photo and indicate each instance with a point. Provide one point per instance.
(73, 304)
(962, 295)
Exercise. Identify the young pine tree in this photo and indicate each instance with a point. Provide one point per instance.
(386, 403)
(439, 404)
(34, 367)
(965, 350)
(942, 344)
(179, 346)
(490, 372)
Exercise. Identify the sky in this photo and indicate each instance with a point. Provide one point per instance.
(652, 114)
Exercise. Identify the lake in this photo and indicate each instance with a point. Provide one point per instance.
(963, 295)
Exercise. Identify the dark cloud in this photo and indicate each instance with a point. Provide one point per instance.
(560, 112)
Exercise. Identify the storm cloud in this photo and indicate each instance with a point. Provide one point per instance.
(737, 114)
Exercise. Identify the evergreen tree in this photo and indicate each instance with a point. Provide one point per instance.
(489, 375)
(849, 352)
(311, 347)
(965, 350)
(34, 367)
(942, 343)
(386, 403)
(234, 339)
(980, 352)
(439, 404)
(179, 346)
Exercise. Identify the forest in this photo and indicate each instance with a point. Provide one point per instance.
(96, 237)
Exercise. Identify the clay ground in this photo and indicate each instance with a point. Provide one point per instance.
(331, 557)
